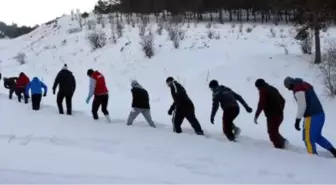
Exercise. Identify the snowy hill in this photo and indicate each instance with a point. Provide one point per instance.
(139, 154)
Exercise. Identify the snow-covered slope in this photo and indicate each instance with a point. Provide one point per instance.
(119, 153)
(43, 147)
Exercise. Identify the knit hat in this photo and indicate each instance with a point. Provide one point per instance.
(135, 83)
(288, 82)
(213, 84)
(260, 83)
(169, 79)
(89, 72)
(65, 66)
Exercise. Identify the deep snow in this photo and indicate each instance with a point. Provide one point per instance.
(43, 147)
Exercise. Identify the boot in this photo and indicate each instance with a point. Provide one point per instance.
(108, 118)
(236, 131)
(333, 151)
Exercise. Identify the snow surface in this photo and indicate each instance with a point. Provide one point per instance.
(44, 147)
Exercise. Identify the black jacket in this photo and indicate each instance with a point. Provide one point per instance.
(66, 81)
(10, 83)
(225, 97)
(180, 96)
(140, 98)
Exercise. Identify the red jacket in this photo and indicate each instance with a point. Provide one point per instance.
(100, 87)
(22, 81)
(270, 101)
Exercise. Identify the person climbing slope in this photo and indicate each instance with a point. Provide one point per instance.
(273, 104)
(309, 107)
(66, 83)
(10, 83)
(98, 89)
(140, 104)
(21, 85)
(227, 99)
(182, 107)
(36, 87)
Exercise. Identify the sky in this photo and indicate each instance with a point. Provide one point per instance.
(32, 12)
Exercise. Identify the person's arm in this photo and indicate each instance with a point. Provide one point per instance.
(133, 96)
(215, 106)
(301, 104)
(74, 83)
(261, 103)
(45, 88)
(174, 92)
(56, 82)
(92, 86)
(240, 99)
(283, 102)
(27, 89)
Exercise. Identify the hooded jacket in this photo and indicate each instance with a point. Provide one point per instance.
(36, 87)
(307, 100)
(225, 97)
(22, 81)
(9, 83)
(66, 82)
(140, 96)
(270, 101)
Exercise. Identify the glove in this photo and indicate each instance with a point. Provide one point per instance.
(248, 109)
(170, 112)
(54, 91)
(297, 124)
(45, 94)
(256, 120)
(212, 119)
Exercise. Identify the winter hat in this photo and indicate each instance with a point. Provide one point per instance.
(288, 82)
(169, 79)
(65, 66)
(260, 83)
(135, 83)
(89, 72)
(213, 84)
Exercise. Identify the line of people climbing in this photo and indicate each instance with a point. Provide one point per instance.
(271, 102)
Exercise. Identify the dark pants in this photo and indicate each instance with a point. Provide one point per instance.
(20, 92)
(229, 116)
(100, 100)
(68, 102)
(273, 125)
(187, 112)
(36, 101)
(11, 91)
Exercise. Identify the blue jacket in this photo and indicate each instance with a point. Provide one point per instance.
(313, 104)
(36, 87)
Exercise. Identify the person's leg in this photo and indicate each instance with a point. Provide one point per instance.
(273, 124)
(228, 126)
(18, 93)
(191, 117)
(309, 136)
(33, 101)
(68, 101)
(133, 114)
(11, 91)
(95, 107)
(178, 118)
(59, 100)
(104, 104)
(147, 114)
(25, 96)
(316, 128)
(38, 103)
